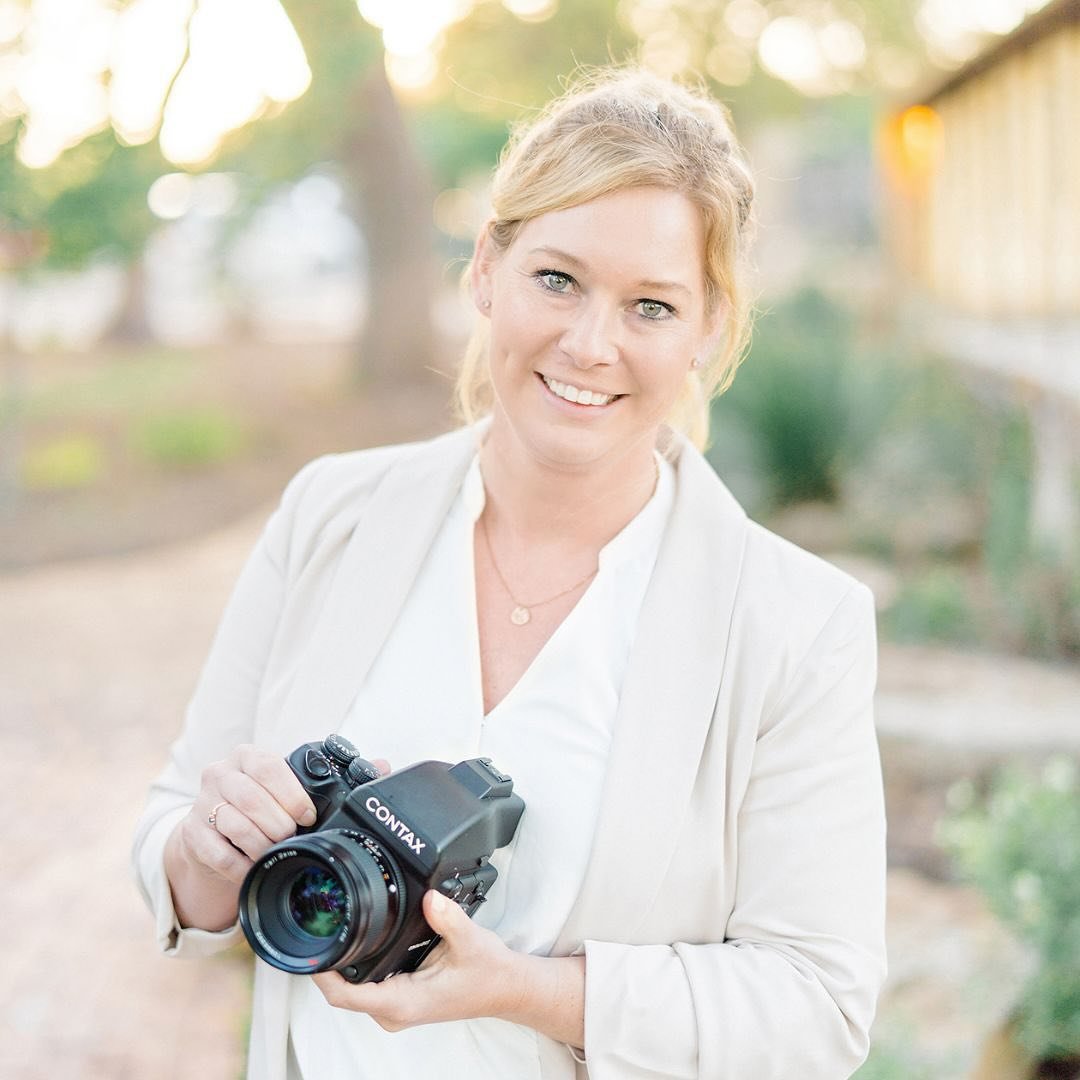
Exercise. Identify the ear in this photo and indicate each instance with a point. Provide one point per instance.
(482, 269)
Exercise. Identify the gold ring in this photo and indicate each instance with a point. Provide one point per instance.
(212, 817)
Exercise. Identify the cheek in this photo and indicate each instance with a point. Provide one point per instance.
(519, 327)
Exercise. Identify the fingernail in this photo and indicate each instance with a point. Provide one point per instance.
(308, 817)
(438, 902)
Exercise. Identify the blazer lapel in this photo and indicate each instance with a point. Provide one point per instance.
(666, 707)
(388, 545)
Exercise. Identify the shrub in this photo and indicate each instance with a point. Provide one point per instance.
(65, 464)
(934, 606)
(1021, 846)
(192, 437)
(801, 400)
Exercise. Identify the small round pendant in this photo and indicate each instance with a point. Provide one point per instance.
(520, 616)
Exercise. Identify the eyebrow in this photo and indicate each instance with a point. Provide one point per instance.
(565, 256)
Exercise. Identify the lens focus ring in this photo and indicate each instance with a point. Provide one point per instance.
(321, 901)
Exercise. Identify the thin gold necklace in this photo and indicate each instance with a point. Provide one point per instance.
(522, 613)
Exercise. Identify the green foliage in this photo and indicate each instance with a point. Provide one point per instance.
(189, 438)
(1040, 604)
(895, 1060)
(499, 66)
(90, 202)
(1006, 543)
(1021, 846)
(64, 464)
(935, 606)
(801, 400)
(129, 383)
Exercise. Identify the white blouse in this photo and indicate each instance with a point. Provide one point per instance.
(423, 700)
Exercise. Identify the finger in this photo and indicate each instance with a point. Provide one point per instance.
(446, 918)
(247, 797)
(238, 830)
(392, 1003)
(382, 765)
(206, 847)
(273, 774)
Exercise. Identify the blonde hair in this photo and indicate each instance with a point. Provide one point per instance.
(616, 129)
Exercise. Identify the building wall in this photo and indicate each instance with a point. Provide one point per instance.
(985, 186)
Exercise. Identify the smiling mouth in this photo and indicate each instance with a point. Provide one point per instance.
(575, 394)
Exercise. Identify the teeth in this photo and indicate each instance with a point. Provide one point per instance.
(573, 393)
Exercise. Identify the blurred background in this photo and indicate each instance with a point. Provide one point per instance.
(230, 238)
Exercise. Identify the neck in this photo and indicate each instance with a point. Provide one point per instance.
(576, 505)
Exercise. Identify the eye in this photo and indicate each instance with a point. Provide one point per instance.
(555, 280)
(654, 309)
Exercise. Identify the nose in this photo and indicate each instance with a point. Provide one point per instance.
(592, 336)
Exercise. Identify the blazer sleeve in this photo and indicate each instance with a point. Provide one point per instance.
(790, 989)
(220, 716)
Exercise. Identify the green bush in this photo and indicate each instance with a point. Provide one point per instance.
(1006, 541)
(65, 464)
(1021, 846)
(934, 606)
(187, 438)
(895, 1060)
(803, 400)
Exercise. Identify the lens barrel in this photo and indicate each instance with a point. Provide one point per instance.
(321, 901)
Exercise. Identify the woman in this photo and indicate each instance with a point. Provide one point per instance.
(682, 698)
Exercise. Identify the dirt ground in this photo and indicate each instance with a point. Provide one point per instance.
(98, 653)
(108, 600)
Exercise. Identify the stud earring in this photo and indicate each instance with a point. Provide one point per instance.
(695, 364)
(485, 304)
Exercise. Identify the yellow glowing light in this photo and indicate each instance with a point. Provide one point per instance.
(843, 44)
(148, 48)
(411, 27)
(955, 29)
(729, 64)
(532, 10)
(88, 62)
(746, 19)
(412, 32)
(59, 81)
(789, 48)
(170, 196)
(667, 53)
(13, 17)
(411, 73)
(458, 213)
(921, 136)
(225, 82)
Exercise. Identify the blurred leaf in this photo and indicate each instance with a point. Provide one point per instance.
(65, 464)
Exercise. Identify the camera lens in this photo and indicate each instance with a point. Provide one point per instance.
(321, 901)
(317, 902)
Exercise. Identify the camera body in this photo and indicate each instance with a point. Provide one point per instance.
(345, 894)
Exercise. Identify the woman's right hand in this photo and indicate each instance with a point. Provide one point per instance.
(255, 800)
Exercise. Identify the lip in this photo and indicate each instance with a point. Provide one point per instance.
(574, 405)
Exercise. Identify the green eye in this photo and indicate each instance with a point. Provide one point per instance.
(555, 281)
(653, 309)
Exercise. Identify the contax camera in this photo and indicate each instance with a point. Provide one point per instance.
(345, 893)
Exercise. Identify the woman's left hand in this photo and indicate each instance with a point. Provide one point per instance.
(470, 973)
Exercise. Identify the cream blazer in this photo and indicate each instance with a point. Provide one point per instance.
(732, 913)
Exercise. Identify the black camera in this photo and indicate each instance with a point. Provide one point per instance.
(345, 893)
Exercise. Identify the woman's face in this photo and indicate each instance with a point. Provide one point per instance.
(597, 313)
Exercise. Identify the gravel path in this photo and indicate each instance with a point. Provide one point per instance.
(97, 659)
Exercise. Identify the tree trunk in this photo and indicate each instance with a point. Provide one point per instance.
(398, 337)
(131, 326)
